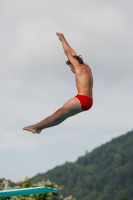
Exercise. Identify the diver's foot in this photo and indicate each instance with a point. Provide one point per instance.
(32, 129)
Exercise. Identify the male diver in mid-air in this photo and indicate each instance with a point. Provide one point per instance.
(81, 102)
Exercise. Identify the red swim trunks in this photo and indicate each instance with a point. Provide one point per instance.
(86, 102)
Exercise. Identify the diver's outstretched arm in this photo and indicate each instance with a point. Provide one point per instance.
(72, 51)
(65, 44)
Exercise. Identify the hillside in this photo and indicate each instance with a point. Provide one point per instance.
(104, 174)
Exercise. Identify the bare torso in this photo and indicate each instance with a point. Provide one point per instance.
(84, 81)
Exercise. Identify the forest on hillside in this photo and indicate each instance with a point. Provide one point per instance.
(104, 174)
(27, 184)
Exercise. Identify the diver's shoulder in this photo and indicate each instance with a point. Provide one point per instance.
(87, 66)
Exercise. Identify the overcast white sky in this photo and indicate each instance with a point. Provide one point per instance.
(35, 82)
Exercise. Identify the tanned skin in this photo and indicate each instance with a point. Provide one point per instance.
(84, 84)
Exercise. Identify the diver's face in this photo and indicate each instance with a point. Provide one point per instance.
(72, 68)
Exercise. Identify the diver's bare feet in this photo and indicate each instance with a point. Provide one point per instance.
(32, 128)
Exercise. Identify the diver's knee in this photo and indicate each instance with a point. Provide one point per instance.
(64, 113)
(60, 114)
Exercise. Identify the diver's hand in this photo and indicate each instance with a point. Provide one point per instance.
(60, 35)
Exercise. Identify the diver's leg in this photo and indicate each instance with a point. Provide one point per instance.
(70, 108)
